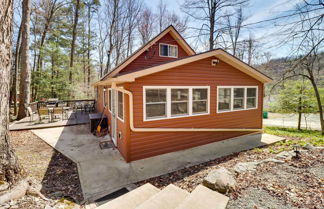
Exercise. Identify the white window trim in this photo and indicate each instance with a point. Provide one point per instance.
(117, 106)
(109, 93)
(104, 96)
(232, 98)
(168, 102)
(168, 50)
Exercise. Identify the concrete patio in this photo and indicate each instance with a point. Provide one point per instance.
(105, 171)
(74, 118)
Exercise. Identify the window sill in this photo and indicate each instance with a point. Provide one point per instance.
(227, 111)
(174, 117)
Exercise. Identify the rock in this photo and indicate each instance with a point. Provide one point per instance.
(3, 186)
(4, 206)
(57, 194)
(14, 207)
(244, 167)
(220, 180)
(12, 203)
(309, 147)
(48, 207)
(272, 160)
(286, 155)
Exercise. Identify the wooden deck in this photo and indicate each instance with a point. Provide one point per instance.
(76, 118)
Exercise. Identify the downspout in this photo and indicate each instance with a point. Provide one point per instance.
(131, 120)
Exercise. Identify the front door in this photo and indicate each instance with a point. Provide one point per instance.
(113, 116)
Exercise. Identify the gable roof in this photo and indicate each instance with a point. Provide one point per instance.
(173, 32)
(219, 53)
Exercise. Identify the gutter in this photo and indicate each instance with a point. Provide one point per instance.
(134, 129)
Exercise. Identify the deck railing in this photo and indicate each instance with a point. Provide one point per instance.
(69, 103)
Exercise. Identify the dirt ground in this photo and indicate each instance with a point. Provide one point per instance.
(57, 174)
(294, 184)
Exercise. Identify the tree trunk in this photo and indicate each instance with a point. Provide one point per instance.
(16, 67)
(319, 103)
(24, 92)
(88, 54)
(10, 171)
(74, 33)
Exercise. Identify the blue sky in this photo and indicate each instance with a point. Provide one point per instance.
(257, 10)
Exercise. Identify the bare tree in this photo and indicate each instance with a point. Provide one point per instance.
(146, 25)
(305, 31)
(161, 15)
(133, 9)
(234, 29)
(24, 90)
(111, 11)
(13, 92)
(10, 170)
(74, 34)
(210, 14)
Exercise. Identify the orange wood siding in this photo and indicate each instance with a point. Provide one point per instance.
(122, 127)
(200, 73)
(151, 57)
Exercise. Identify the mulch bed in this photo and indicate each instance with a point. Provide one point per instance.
(57, 175)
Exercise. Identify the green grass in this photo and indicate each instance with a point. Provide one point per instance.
(294, 137)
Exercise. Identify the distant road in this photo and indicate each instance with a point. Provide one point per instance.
(291, 120)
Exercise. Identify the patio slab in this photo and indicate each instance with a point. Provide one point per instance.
(76, 118)
(105, 171)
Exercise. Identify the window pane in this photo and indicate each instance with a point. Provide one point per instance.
(155, 95)
(179, 94)
(251, 102)
(179, 108)
(238, 92)
(224, 97)
(251, 92)
(120, 105)
(164, 50)
(155, 110)
(238, 103)
(173, 51)
(199, 94)
(199, 107)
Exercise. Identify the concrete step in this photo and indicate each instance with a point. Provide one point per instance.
(169, 198)
(203, 198)
(132, 199)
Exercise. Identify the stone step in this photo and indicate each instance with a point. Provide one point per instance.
(132, 199)
(203, 198)
(169, 198)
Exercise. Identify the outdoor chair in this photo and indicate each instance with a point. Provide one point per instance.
(58, 111)
(30, 113)
(43, 112)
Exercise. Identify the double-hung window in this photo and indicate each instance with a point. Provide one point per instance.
(179, 102)
(167, 50)
(175, 101)
(224, 99)
(199, 100)
(120, 108)
(236, 98)
(251, 98)
(155, 103)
